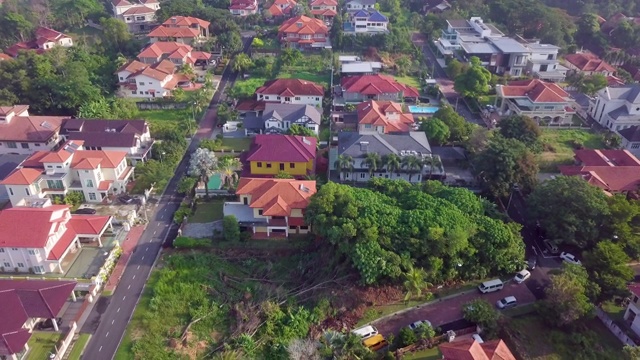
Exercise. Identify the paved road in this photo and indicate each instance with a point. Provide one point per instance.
(110, 317)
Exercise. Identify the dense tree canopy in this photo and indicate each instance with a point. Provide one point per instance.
(443, 230)
(566, 298)
(437, 131)
(607, 267)
(521, 128)
(474, 81)
(622, 225)
(459, 128)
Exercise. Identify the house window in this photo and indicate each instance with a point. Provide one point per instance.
(287, 98)
(260, 212)
(14, 249)
(11, 191)
(361, 175)
(37, 145)
(27, 191)
(245, 200)
(281, 167)
(133, 92)
(317, 99)
(141, 83)
(24, 145)
(6, 264)
(635, 299)
(633, 146)
(367, 126)
(304, 227)
(89, 183)
(33, 251)
(259, 164)
(268, 165)
(297, 98)
(292, 165)
(38, 269)
(92, 196)
(20, 265)
(1, 250)
(11, 144)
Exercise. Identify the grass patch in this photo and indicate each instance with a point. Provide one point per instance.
(274, 244)
(486, 100)
(79, 346)
(560, 143)
(107, 293)
(409, 80)
(236, 144)
(519, 310)
(376, 312)
(427, 354)
(154, 116)
(246, 88)
(87, 34)
(41, 344)
(208, 212)
(321, 78)
(615, 311)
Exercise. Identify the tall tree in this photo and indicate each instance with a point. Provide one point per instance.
(392, 162)
(373, 162)
(202, 165)
(412, 164)
(608, 267)
(115, 33)
(459, 128)
(521, 128)
(622, 225)
(566, 299)
(344, 164)
(228, 167)
(241, 63)
(414, 282)
(474, 81)
(436, 130)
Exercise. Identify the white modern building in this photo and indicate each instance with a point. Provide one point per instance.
(355, 5)
(616, 108)
(366, 22)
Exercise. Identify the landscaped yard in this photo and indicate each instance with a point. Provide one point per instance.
(236, 144)
(560, 145)
(42, 344)
(409, 80)
(323, 78)
(79, 346)
(428, 354)
(208, 212)
(615, 311)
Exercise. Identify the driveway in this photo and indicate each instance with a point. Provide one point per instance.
(450, 310)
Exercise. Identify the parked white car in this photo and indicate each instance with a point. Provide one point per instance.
(570, 258)
(521, 276)
(419, 323)
(509, 301)
(366, 332)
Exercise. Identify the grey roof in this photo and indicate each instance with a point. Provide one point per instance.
(430, 4)
(361, 67)
(363, 2)
(283, 112)
(9, 162)
(458, 23)
(542, 47)
(478, 48)
(619, 112)
(631, 133)
(631, 93)
(349, 143)
(508, 45)
(449, 152)
(253, 122)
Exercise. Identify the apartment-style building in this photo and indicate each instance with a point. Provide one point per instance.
(271, 154)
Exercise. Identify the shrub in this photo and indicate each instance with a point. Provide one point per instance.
(181, 213)
(230, 228)
(183, 242)
(406, 337)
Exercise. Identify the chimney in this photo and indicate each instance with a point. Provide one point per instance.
(364, 146)
(173, 20)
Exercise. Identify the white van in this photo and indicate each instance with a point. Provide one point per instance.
(491, 286)
(366, 332)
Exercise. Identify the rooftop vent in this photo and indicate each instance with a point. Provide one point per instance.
(364, 146)
(304, 188)
(46, 125)
(306, 141)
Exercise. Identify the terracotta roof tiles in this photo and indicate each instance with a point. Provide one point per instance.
(589, 63)
(610, 170)
(277, 196)
(379, 113)
(376, 85)
(536, 90)
(291, 87)
(296, 24)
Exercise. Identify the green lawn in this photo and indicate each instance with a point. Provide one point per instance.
(125, 350)
(86, 34)
(615, 311)
(246, 88)
(236, 144)
(42, 344)
(428, 354)
(487, 100)
(409, 80)
(155, 116)
(561, 143)
(376, 312)
(79, 346)
(208, 212)
(323, 78)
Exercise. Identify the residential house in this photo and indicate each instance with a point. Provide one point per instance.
(21, 133)
(616, 108)
(243, 7)
(98, 174)
(588, 64)
(271, 154)
(140, 17)
(24, 304)
(352, 65)
(181, 29)
(435, 6)
(291, 91)
(631, 139)
(324, 9)
(272, 207)
(543, 63)
(356, 89)
(355, 5)
(281, 8)
(366, 22)
(614, 171)
(633, 70)
(8, 163)
(44, 39)
(633, 309)
(383, 117)
(358, 145)
(4, 57)
(38, 237)
(470, 349)
(277, 119)
(536, 99)
(303, 33)
(130, 136)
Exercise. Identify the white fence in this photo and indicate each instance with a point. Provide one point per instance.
(66, 341)
(615, 330)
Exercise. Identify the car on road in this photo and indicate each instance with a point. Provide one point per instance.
(532, 262)
(414, 326)
(570, 258)
(366, 332)
(550, 246)
(375, 343)
(125, 199)
(48, 324)
(86, 211)
(521, 276)
(508, 302)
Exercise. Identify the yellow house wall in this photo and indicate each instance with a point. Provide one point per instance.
(300, 168)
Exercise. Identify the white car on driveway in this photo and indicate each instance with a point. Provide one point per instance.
(521, 276)
(508, 302)
(419, 323)
(570, 258)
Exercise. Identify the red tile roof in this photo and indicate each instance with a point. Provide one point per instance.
(26, 227)
(589, 62)
(185, 21)
(282, 148)
(12, 336)
(610, 170)
(635, 289)
(251, 105)
(603, 157)
(381, 113)
(376, 85)
(132, 66)
(89, 224)
(614, 81)
(324, 2)
(276, 9)
(470, 349)
(24, 176)
(157, 49)
(536, 90)
(30, 128)
(90, 159)
(60, 248)
(291, 87)
(5, 57)
(243, 5)
(136, 10)
(44, 34)
(277, 197)
(324, 12)
(174, 32)
(304, 24)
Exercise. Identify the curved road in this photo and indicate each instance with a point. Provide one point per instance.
(110, 316)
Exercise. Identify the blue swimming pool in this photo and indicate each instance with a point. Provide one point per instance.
(417, 109)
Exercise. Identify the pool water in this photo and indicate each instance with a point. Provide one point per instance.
(416, 109)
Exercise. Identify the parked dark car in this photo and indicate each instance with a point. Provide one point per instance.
(48, 324)
(87, 211)
(532, 262)
(125, 199)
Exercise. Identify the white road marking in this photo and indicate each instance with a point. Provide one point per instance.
(124, 297)
(154, 232)
(133, 277)
(146, 249)
(118, 310)
(100, 349)
(165, 209)
(138, 267)
(128, 287)
(142, 258)
(159, 225)
(112, 321)
(107, 334)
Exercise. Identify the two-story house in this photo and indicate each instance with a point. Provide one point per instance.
(588, 64)
(302, 32)
(543, 62)
(272, 207)
(37, 238)
(536, 99)
(356, 89)
(357, 145)
(278, 118)
(130, 136)
(272, 154)
(24, 304)
(181, 29)
(96, 173)
(613, 171)
(616, 108)
(631, 314)
(291, 91)
(8, 163)
(324, 9)
(281, 8)
(21, 133)
(44, 39)
(139, 17)
(366, 22)
(355, 5)
(383, 117)
(243, 7)
(631, 139)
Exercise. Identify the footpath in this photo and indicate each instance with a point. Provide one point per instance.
(128, 246)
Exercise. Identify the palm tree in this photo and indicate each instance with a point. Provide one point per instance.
(393, 163)
(344, 164)
(414, 282)
(186, 69)
(241, 63)
(228, 168)
(433, 162)
(413, 165)
(372, 162)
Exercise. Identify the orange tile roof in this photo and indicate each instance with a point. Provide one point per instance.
(536, 90)
(275, 10)
(291, 87)
(4, 56)
(185, 21)
(377, 113)
(88, 224)
(303, 23)
(132, 66)
(324, 12)
(174, 32)
(470, 349)
(589, 62)
(139, 10)
(277, 197)
(90, 159)
(376, 84)
(23, 176)
(324, 2)
(160, 48)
